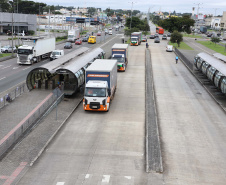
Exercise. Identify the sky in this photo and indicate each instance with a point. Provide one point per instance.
(180, 6)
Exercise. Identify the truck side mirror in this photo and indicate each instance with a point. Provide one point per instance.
(109, 92)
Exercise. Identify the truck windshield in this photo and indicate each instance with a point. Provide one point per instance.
(95, 92)
(24, 51)
(133, 39)
(70, 36)
(119, 59)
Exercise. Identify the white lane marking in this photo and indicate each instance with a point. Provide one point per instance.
(6, 67)
(60, 183)
(16, 67)
(87, 176)
(26, 68)
(108, 41)
(106, 178)
(128, 177)
(2, 78)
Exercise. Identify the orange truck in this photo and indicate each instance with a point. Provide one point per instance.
(120, 53)
(101, 84)
(136, 38)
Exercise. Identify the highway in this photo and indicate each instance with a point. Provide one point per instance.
(109, 148)
(12, 73)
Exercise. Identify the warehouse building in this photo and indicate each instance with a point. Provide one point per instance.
(21, 22)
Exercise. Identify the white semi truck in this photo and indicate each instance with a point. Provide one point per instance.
(101, 84)
(34, 49)
(73, 35)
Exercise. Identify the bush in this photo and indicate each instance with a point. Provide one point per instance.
(31, 32)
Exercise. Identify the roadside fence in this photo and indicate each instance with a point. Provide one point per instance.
(32, 118)
(184, 59)
(12, 95)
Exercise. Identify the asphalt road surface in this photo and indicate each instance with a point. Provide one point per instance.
(12, 73)
(102, 148)
(192, 126)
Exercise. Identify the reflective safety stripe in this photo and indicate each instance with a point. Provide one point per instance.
(102, 108)
(122, 69)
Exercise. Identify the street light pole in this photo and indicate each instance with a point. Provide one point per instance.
(12, 26)
(131, 13)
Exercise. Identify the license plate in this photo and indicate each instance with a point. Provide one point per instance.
(94, 106)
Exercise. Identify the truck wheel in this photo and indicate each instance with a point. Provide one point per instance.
(6, 51)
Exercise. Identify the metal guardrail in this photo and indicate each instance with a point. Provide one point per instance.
(184, 59)
(12, 95)
(29, 120)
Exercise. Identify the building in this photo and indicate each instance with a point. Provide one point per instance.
(21, 22)
(223, 21)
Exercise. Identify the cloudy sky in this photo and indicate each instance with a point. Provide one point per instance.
(206, 6)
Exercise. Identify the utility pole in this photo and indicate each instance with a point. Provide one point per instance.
(12, 25)
(131, 14)
(198, 8)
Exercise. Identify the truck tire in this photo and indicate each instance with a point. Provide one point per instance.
(6, 51)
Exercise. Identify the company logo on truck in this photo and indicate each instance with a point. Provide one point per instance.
(97, 75)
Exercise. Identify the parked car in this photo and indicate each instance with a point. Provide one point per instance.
(156, 35)
(152, 36)
(144, 39)
(157, 40)
(8, 49)
(209, 34)
(68, 45)
(164, 37)
(99, 33)
(85, 39)
(78, 42)
(168, 34)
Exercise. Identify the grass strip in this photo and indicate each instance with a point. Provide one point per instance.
(182, 46)
(213, 46)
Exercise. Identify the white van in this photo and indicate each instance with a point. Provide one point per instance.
(169, 48)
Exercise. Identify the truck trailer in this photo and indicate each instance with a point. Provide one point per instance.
(120, 53)
(73, 35)
(101, 84)
(136, 38)
(34, 49)
(203, 29)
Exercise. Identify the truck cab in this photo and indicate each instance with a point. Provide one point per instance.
(121, 61)
(134, 41)
(25, 55)
(97, 96)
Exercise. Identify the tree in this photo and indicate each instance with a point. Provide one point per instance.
(180, 24)
(129, 31)
(91, 11)
(176, 37)
(4, 6)
(215, 40)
